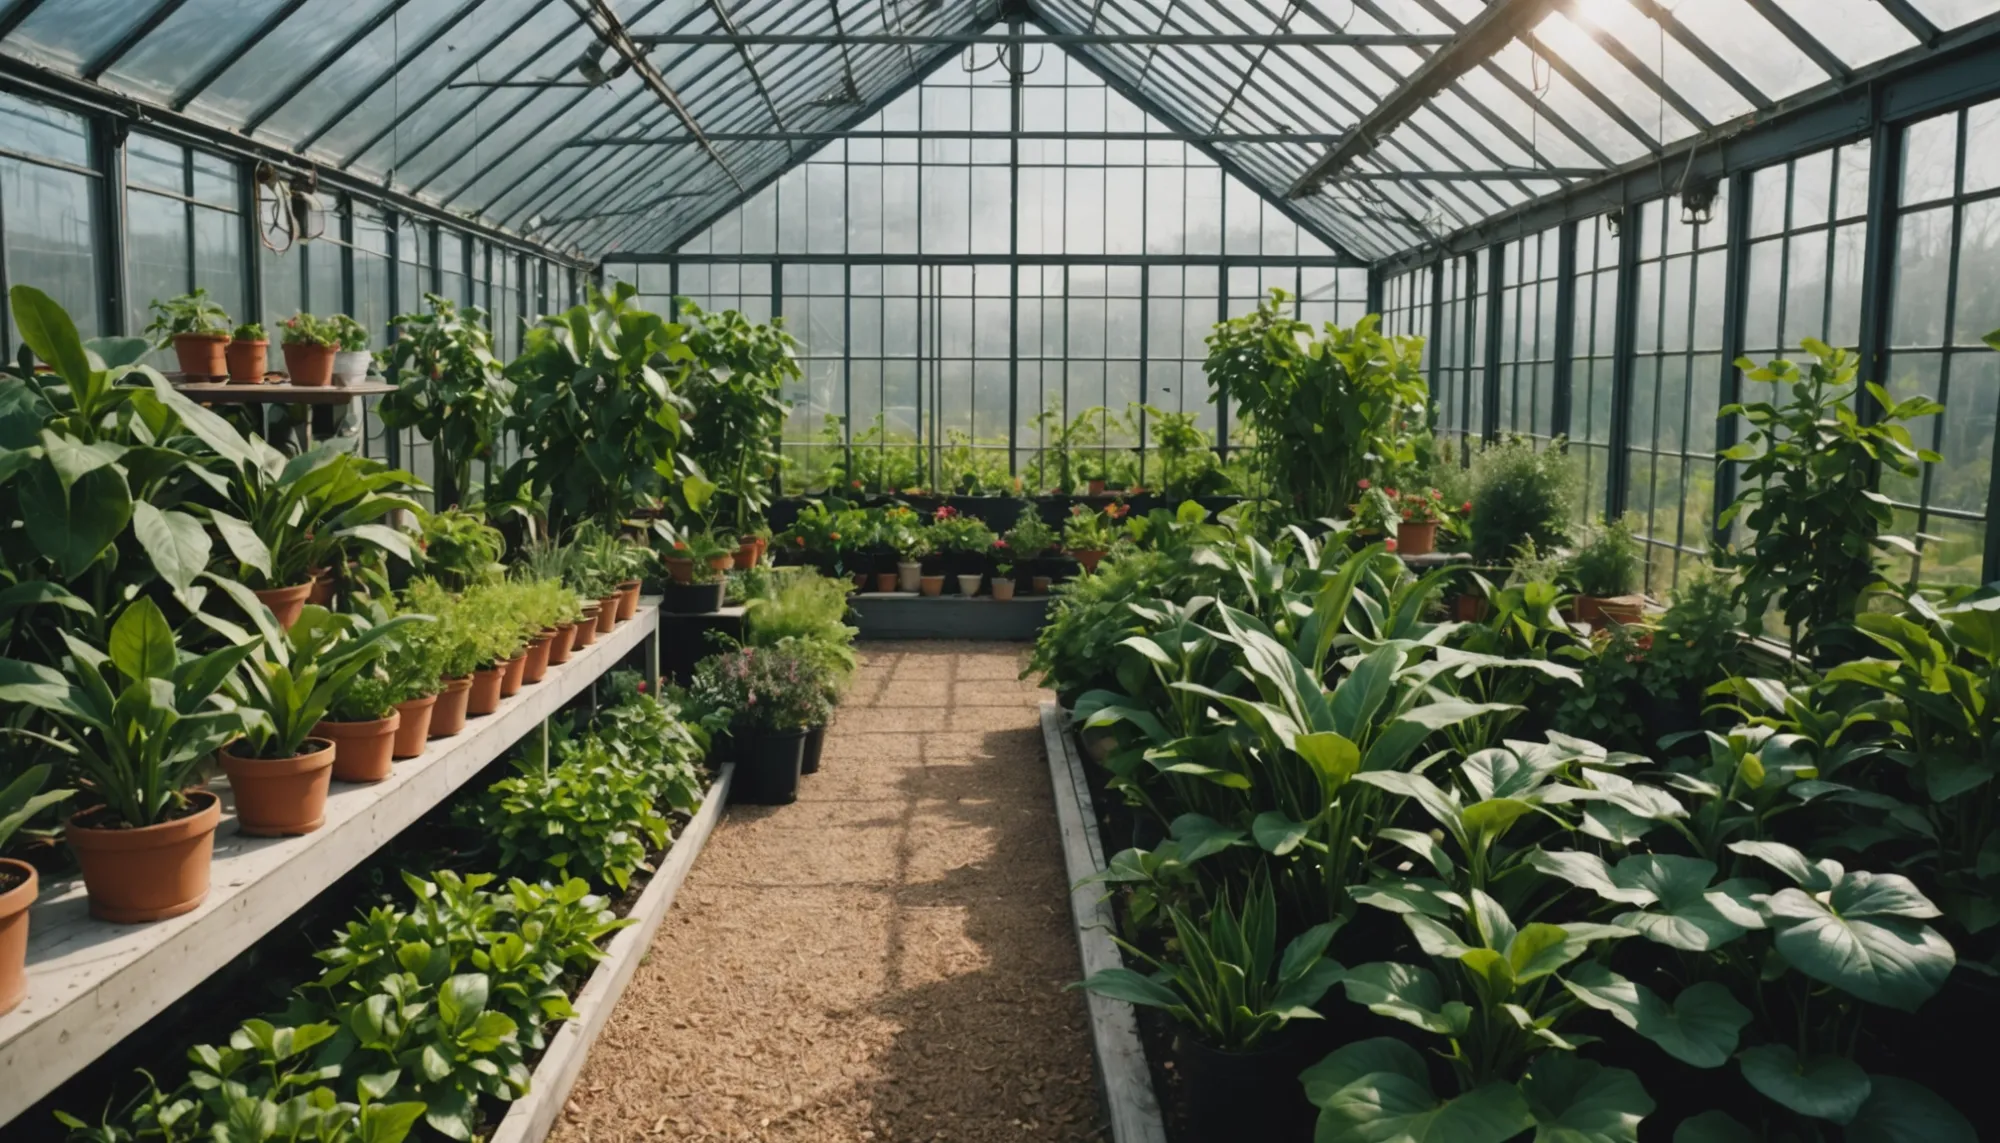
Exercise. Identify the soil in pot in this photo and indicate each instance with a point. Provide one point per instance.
(1249, 1095)
(537, 663)
(286, 602)
(511, 673)
(484, 697)
(147, 874)
(202, 356)
(453, 704)
(18, 887)
(281, 797)
(607, 614)
(628, 599)
(310, 366)
(815, 746)
(362, 751)
(561, 643)
(247, 361)
(413, 726)
(968, 585)
(1003, 590)
(932, 585)
(767, 771)
(586, 628)
(691, 598)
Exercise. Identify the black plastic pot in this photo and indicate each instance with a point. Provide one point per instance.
(691, 598)
(767, 771)
(815, 742)
(1248, 1095)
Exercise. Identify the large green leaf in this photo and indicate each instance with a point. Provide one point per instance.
(73, 526)
(1682, 914)
(1700, 1027)
(175, 542)
(46, 328)
(1133, 988)
(1407, 993)
(1883, 958)
(1202, 836)
(1900, 1111)
(1378, 1091)
(142, 643)
(1824, 1087)
(1714, 1127)
(1576, 1101)
(1278, 834)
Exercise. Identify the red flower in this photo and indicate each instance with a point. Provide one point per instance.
(1389, 544)
(1390, 493)
(833, 535)
(999, 543)
(1365, 486)
(801, 540)
(946, 512)
(1466, 507)
(1117, 511)
(1436, 495)
(856, 483)
(642, 686)
(680, 545)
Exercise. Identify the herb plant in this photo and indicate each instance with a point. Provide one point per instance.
(192, 313)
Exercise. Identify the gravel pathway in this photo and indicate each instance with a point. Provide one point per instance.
(883, 960)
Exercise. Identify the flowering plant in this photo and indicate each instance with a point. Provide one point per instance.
(1029, 537)
(1376, 510)
(1088, 531)
(1425, 508)
(953, 531)
(764, 688)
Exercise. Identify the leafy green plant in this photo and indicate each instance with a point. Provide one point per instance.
(21, 799)
(586, 816)
(765, 688)
(1698, 638)
(1326, 411)
(449, 387)
(1607, 563)
(1611, 666)
(138, 717)
(810, 609)
(1816, 525)
(735, 412)
(291, 684)
(1029, 537)
(1229, 985)
(458, 548)
(1520, 494)
(1187, 462)
(191, 313)
(249, 331)
(305, 329)
(1089, 531)
(953, 531)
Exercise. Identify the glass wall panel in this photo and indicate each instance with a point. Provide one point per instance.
(1593, 339)
(48, 212)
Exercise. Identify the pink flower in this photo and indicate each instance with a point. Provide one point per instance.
(1389, 544)
(1365, 486)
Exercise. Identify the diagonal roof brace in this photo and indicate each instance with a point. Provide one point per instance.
(604, 23)
(1482, 36)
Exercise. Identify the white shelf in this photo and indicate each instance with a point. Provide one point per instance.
(91, 984)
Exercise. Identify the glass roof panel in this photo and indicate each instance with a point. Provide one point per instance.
(1752, 45)
(68, 36)
(1667, 56)
(1952, 13)
(245, 87)
(1567, 45)
(1858, 31)
(197, 37)
(360, 69)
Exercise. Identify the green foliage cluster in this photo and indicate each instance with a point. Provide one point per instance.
(763, 688)
(1608, 561)
(1520, 494)
(449, 386)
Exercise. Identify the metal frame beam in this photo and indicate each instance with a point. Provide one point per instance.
(614, 35)
(1044, 38)
(833, 135)
(306, 77)
(402, 60)
(229, 59)
(1475, 43)
(1962, 69)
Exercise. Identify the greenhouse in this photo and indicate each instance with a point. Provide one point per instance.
(1089, 571)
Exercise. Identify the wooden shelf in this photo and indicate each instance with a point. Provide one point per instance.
(91, 984)
(286, 393)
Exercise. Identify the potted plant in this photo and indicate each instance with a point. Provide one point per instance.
(1605, 570)
(1233, 995)
(1088, 535)
(449, 387)
(309, 344)
(497, 639)
(1520, 494)
(1003, 582)
(457, 651)
(968, 584)
(1422, 513)
(140, 720)
(459, 548)
(696, 557)
(959, 544)
(198, 329)
(20, 800)
(773, 699)
(415, 664)
(362, 722)
(279, 769)
(351, 359)
(248, 353)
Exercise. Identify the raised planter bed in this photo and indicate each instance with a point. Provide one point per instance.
(530, 1118)
(900, 616)
(91, 984)
(1129, 1099)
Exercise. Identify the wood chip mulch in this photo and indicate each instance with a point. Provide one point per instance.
(883, 960)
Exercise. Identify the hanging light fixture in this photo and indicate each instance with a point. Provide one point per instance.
(1698, 201)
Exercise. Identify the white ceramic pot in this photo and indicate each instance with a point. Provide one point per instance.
(909, 575)
(352, 368)
(968, 585)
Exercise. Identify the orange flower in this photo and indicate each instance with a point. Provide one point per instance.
(833, 535)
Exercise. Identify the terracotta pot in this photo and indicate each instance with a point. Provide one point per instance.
(1416, 539)
(586, 628)
(484, 698)
(1097, 488)
(559, 646)
(1088, 558)
(151, 873)
(415, 726)
(362, 751)
(247, 361)
(322, 587)
(1620, 609)
(14, 932)
(721, 562)
(202, 356)
(885, 581)
(286, 602)
(607, 614)
(1042, 584)
(280, 797)
(682, 570)
(448, 716)
(1468, 608)
(745, 556)
(513, 671)
(931, 585)
(537, 663)
(628, 599)
(1003, 589)
(861, 581)
(311, 366)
